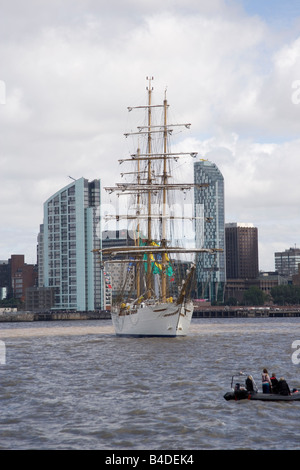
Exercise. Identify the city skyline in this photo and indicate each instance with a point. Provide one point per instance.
(70, 69)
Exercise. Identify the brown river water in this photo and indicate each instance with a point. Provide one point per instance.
(75, 385)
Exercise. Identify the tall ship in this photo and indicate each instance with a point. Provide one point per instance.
(154, 298)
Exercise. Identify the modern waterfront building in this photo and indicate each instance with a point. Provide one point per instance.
(241, 251)
(68, 236)
(39, 299)
(287, 262)
(40, 256)
(210, 230)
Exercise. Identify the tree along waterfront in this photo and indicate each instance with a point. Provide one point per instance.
(286, 295)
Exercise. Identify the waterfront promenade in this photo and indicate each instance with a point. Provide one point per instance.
(247, 312)
(53, 316)
(204, 312)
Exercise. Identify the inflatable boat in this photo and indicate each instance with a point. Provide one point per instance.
(240, 392)
(245, 395)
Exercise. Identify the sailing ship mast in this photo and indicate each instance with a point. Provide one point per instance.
(149, 181)
(165, 181)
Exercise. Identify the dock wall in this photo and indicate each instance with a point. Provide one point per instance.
(251, 312)
(209, 312)
(53, 316)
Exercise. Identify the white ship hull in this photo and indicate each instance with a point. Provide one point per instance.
(165, 319)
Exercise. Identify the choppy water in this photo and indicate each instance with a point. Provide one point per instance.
(75, 385)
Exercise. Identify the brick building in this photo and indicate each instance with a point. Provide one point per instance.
(16, 276)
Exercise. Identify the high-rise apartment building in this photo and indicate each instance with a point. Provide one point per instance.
(69, 234)
(241, 251)
(210, 227)
(287, 262)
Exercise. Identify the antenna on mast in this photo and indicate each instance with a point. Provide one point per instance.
(149, 87)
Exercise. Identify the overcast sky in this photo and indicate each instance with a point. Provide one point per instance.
(70, 68)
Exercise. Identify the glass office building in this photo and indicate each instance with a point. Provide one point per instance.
(210, 230)
(241, 251)
(287, 262)
(69, 235)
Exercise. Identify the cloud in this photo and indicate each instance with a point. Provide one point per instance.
(71, 68)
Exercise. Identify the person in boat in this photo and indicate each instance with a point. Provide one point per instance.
(266, 382)
(274, 383)
(250, 385)
(283, 388)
